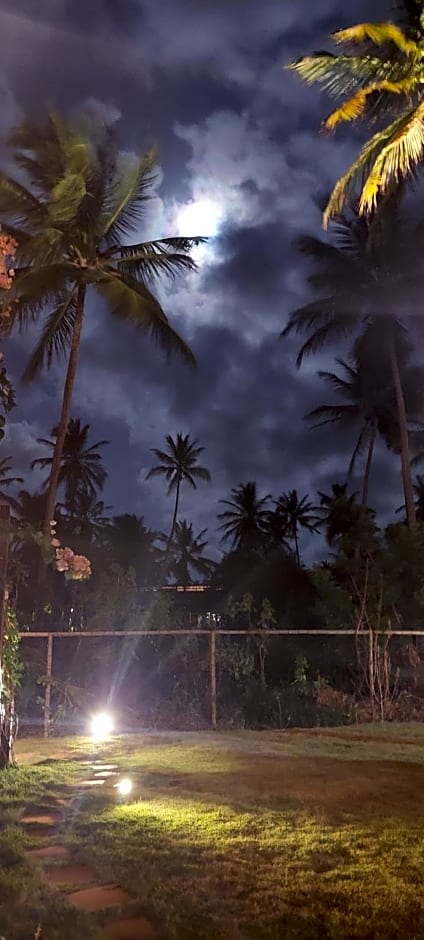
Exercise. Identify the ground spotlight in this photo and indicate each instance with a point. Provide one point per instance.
(124, 787)
(101, 726)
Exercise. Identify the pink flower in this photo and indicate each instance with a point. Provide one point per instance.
(74, 567)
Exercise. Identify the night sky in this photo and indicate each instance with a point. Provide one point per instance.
(238, 140)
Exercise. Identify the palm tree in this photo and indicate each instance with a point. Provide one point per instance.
(86, 517)
(419, 498)
(72, 205)
(379, 76)
(369, 399)
(6, 479)
(29, 508)
(187, 553)
(341, 515)
(81, 470)
(179, 465)
(132, 545)
(245, 521)
(364, 281)
(296, 514)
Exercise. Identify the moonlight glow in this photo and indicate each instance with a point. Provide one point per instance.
(199, 217)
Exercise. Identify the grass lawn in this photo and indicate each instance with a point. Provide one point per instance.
(312, 834)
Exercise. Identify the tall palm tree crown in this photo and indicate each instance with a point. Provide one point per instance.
(87, 517)
(245, 520)
(187, 553)
(296, 513)
(378, 76)
(178, 464)
(341, 515)
(132, 545)
(366, 281)
(73, 217)
(81, 469)
(368, 400)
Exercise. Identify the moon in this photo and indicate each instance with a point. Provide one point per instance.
(199, 217)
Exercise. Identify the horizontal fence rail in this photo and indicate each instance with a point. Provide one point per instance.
(185, 631)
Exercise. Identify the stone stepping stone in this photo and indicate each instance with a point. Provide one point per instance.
(70, 875)
(48, 852)
(42, 832)
(136, 929)
(98, 765)
(104, 774)
(99, 898)
(41, 819)
(91, 783)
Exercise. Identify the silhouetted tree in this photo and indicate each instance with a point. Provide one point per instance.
(187, 553)
(179, 464)
(245, 520)
(81, 470)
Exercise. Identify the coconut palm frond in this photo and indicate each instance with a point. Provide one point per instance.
(398, 158)
(380, 34)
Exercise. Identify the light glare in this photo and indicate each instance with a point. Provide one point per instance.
(124, 786)
(101, 726)
(199, 217)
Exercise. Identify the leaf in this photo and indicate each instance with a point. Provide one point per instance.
(46, 247)
(66, 199)
(153, 259)
(355, 106)
(380, 34)
(55, 338)
(331, 414)
(338, 74)
(18, 204)
(131, 300)
(46, 276)
(130, 190)
(359, 170)
(396, 160)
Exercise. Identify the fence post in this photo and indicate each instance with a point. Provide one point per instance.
(4, 551)
(212, 665)
(48, 694)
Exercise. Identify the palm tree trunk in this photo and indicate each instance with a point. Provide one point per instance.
(296, 544)
(66, 410)
(174, 519)
(368, 464)
(403, 434)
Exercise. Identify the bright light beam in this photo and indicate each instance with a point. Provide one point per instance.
(101, 726)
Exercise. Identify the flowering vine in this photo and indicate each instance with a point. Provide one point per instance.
(8, 247)
(74, 567)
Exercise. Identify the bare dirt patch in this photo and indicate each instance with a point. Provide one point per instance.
(136, 929)
(99, 898)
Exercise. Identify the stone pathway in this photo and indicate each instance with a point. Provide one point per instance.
(78, 883)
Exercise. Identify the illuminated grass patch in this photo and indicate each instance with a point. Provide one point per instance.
(264, 835)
